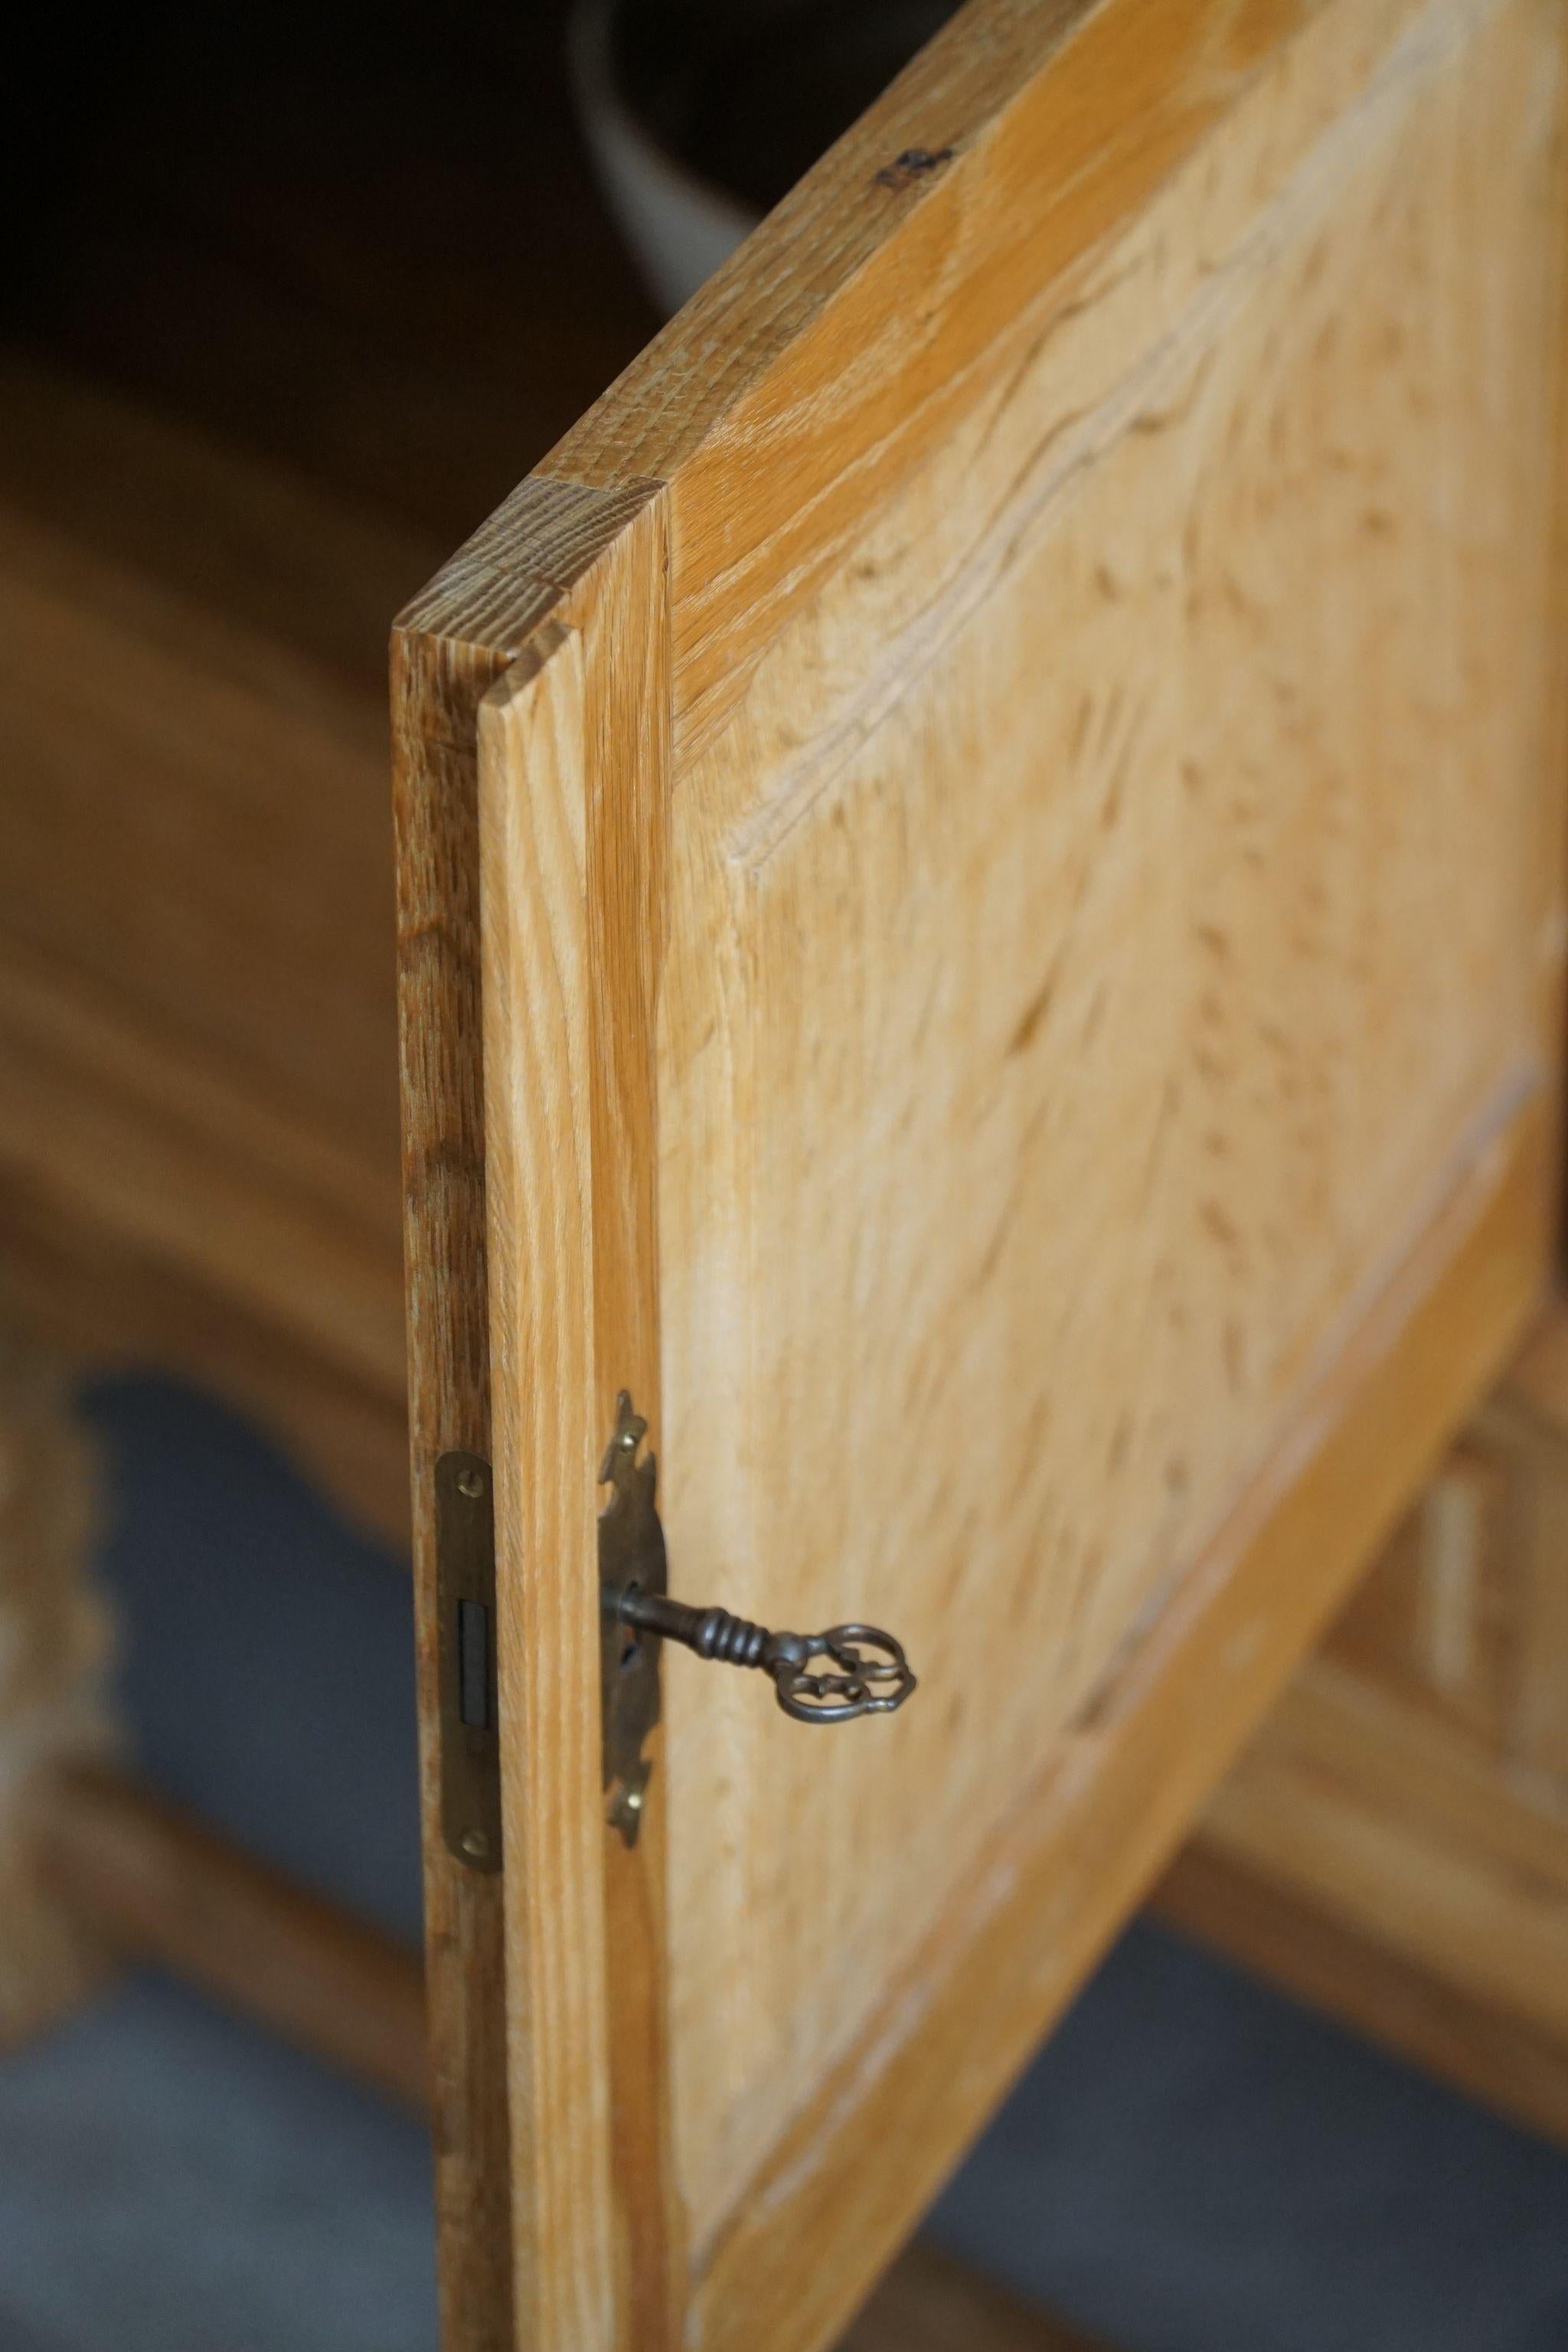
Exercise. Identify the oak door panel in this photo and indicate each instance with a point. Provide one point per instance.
(1038, 1061)
(994, 807)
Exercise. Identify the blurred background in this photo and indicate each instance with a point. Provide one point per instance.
(297, 299)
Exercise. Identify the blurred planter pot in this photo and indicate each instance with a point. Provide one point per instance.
(700, 114)
(680, 225)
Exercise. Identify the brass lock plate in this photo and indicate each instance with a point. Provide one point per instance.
(631, 1560)
(466, 1615)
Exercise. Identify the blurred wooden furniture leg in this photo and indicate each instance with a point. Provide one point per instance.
(928, 2303)
(150, 1883)
(1395, 1843)
(1355, 1976)
(198, 1116)
(55, 1639)
(146, 1881)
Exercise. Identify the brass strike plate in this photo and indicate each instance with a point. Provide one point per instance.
(466, 1609)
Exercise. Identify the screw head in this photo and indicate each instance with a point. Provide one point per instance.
(633, 1801)
(471, 1483)
(475, 1845)
(628, 1441)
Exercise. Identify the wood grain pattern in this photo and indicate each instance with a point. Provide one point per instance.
(541, 1268)
(1044, 1896)
(1458, 1644)
(1118, 1096)
(822, 364)
(1076, 836)
(572, 823)
(451, 647)
(436, 818)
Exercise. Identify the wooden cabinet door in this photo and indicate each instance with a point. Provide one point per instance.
(981, 932)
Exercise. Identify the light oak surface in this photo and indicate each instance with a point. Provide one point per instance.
(1163, 1004)
(1018, 976)
(449, 1408)
(1085, 1837)
(571, 821)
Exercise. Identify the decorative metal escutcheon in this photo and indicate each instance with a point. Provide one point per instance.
(832, 1677)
